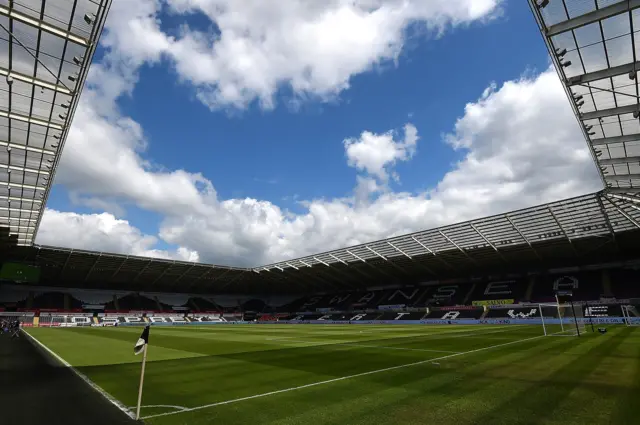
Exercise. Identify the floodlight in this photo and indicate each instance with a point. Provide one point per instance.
(636, 114)
(73, 77)
(578, 97)
(9, 79)
(90, 17)
(632, 75)
(579, 104)
(566, 64)
(561, 53)
(598, 153)
(543, 4)
(63, 117)
(78, 60)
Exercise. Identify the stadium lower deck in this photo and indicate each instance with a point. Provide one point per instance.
(333, 374)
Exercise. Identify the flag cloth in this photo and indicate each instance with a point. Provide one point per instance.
(142, 341)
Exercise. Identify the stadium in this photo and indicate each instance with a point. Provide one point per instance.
(525, 317)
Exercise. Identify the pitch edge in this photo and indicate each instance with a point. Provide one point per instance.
(80, 375)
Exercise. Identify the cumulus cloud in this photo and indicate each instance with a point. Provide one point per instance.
(519, 143)
(375, 153)
(252, 47)
(102, 232)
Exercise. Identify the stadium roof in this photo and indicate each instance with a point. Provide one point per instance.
(46, 47)
(591, 228)
(596, 50)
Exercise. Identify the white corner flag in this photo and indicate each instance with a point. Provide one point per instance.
(141, 347)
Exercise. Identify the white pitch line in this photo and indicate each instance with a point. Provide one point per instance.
(353, 344)
(170, 406)
(329, 381)
(88, 381)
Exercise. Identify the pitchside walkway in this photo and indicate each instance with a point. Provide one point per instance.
(35, 390)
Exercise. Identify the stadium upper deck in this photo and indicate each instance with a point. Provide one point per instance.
(590, 44)
(46, 47)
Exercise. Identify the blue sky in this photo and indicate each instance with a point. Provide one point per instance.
(292, 153)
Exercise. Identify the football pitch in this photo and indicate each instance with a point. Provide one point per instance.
(362, 374)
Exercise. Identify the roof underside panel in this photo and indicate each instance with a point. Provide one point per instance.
(46, 47)
(595, 46)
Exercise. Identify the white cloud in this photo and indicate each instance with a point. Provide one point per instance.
(510, 161)
(102, 232)
(311, 47)
(375, 153)
(520, 144)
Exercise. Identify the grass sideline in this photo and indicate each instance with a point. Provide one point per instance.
(362, 374)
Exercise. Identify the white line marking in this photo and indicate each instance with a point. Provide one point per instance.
(353, 344)
(88, 381)
(169, 406)
(328, 381)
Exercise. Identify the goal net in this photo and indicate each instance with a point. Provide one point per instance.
(631, 315)
(560, 319)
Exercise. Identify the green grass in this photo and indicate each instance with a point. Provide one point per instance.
(593, 379)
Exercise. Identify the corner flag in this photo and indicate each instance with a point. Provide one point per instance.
(142, 341)
(141, 347)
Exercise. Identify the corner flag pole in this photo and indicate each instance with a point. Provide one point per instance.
(141, 347)
(144, 363)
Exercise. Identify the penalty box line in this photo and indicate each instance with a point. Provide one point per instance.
(80, 375)
(342, 378)
(365, 345)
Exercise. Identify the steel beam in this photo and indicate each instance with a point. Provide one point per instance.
(24, 169)
(31, 120)
(627, 109)
(95, 263)
(591, 17)
(37, 23)
(22, 186)
(622, 177)
(523, 236)
(626, 160)
(564, 232)
(387, 260)
(487, 241)
(623, 190)
(616, 139)
(458, 247)
(18, 210)
(19, 199)
(624, 214)
(432, 253)
(35, 81)
(614, 71)
(626, 198)
(27, 148)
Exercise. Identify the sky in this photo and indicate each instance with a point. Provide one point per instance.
(245, 132)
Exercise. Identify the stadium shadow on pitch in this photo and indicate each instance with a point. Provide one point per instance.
(538, 402)
(316, 356)
(327, 361)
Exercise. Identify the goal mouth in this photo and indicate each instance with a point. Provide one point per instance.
(631, 315)
(562, 319)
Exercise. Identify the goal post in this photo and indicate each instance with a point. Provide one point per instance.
(562, 319)
(631, 315)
